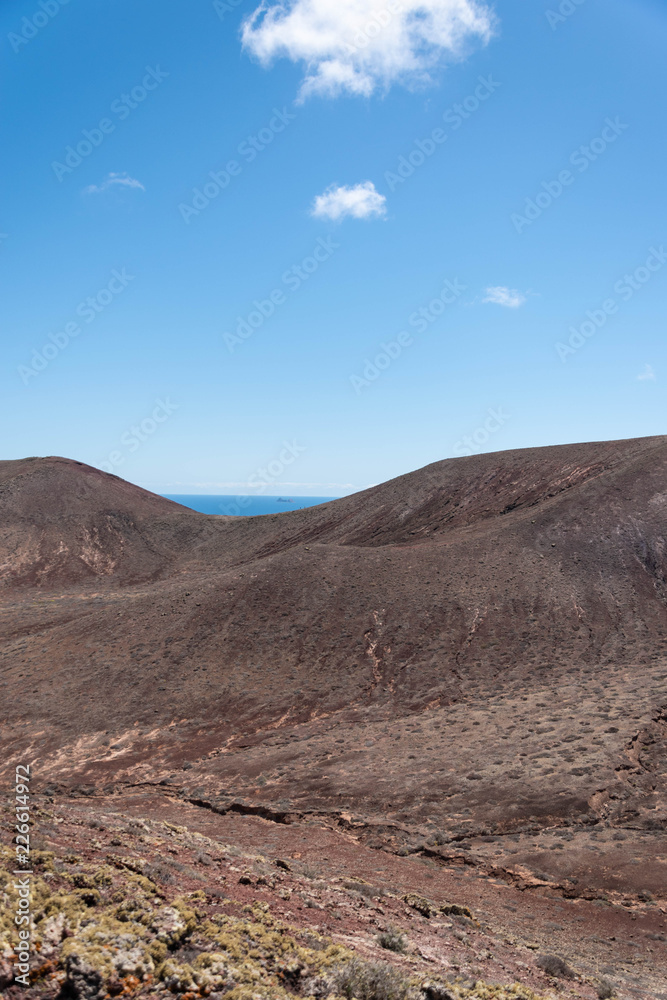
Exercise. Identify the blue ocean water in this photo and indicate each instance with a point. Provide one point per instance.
(241, 506)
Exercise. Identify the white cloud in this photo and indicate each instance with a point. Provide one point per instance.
(112, 180)
(648, 375)
(361, 202)
(502, 296)
(356, 46)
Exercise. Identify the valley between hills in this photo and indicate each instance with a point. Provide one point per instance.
(433, 713)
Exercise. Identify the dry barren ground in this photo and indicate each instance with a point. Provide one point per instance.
(130, 903)
(453, 685)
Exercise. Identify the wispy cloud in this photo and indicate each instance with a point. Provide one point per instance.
(502, 296)
(358, 46)
(648, 375)
(114, 180)
(359, 202)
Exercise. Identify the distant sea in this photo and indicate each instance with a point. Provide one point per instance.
(245, 506)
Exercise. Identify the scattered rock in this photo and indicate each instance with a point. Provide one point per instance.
(436, 991)
(168, 925)
(421, 905)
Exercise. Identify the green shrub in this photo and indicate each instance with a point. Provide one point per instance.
(393, 940)
(368, 981)
(364, 888)
(554, 966)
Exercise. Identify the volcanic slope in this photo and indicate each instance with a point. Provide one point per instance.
(467, 564)
(468, 660)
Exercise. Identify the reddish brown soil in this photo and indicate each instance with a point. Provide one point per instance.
(466, 665)
(327, 883)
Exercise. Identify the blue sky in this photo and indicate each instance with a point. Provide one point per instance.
(126, 296)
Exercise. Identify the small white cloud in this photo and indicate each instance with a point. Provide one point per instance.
(356, 46)
(648, 375)
(502, 296)
(114, 180)
(360, 202)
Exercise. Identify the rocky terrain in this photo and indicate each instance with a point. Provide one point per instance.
(127, 904)
(452, 686)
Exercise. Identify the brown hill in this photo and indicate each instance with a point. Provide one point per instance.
(414, 589)
(65, 522)
(467, 661)
(534, 554)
